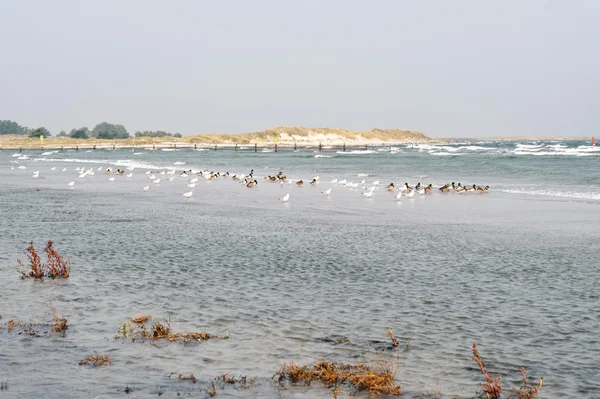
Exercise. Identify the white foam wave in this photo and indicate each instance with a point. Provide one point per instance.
(554, 193)
(356, 152)
(322, 156)
(179, 163)
(452, 154)
(72, 160)
(136, 164)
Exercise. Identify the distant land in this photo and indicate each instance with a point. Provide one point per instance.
(523, 138)
(281, 135)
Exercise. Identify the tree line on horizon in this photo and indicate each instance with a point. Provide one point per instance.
(102, 130)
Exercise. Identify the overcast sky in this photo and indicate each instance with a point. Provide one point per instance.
(446, 68)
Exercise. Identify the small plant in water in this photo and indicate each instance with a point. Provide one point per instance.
(377, 378)
(55, 266)
(491, 389)
(98, 360)
(138, 326)
(60, 323)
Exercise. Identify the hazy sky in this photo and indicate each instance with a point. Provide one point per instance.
(446, 68)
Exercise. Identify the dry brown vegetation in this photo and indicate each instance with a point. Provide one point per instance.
(98, 360)
(139, 326)
(242, 381)
(55, 266)
(492, 389)
(60, 323)
(377, 378)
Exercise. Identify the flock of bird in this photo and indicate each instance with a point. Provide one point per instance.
(250, 181)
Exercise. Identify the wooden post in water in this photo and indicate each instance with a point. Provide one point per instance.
(320, 147)
(275, 147)
(236, 147)
(114, 145)
(61, 148)
(344, 147)
(77, 148)
(295, 146)
(215, 147)
(20, 147)
(255, 147)
(195, 147)
(94, 145)
(153, 146)
(366, 147)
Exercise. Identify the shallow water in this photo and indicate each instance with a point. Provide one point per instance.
(514, 270)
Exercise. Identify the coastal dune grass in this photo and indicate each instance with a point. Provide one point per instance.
(285, 134)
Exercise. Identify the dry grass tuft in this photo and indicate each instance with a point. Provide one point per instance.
(242, 381)
(98, 360)
(528, 390)
(55, 266)
(141, 318)
(60, 323)
(377, 378)
(390, 333)
(491, 388)
(213, 391)
(142, 328)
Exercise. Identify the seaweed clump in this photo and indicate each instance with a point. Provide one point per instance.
(55, 266)
(376, 378)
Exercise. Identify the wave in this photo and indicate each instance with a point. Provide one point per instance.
(322, 156)
(137, 164)
(73, 160)
(452, 154)
(529, 146)
(356, 152)
(554, 193)
(179, 163)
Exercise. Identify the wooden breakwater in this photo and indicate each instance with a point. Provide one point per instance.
(256, 147)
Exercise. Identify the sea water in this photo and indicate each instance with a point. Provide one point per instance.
(515, 270)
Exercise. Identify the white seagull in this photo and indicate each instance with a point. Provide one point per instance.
(111, 179)
(368, 194)
(129, 174)
(285, 198)
(71, 184)
(146, 188)
(326, 192)
(191, 185)
(188, 194)
(36, 173)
